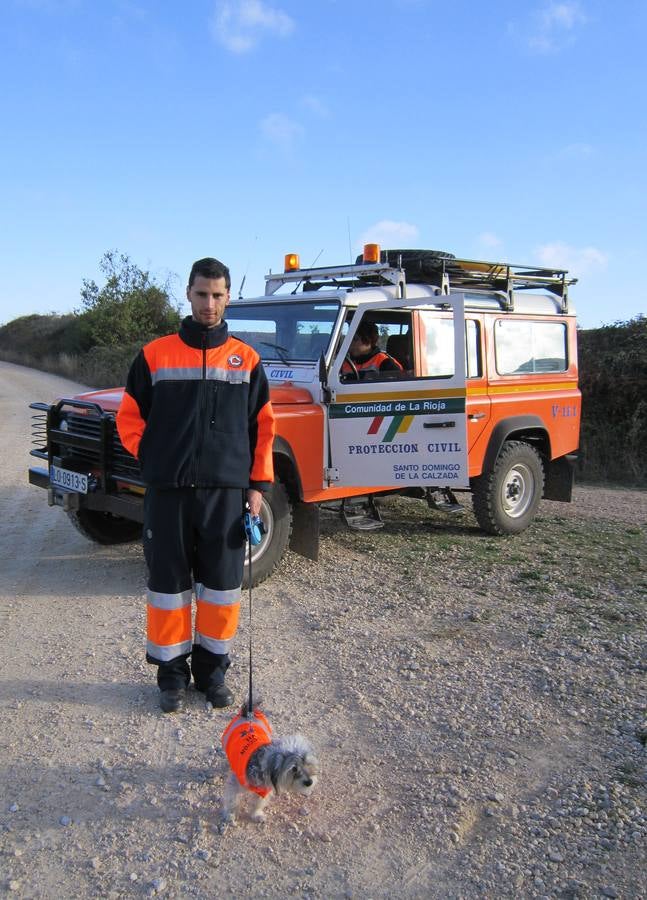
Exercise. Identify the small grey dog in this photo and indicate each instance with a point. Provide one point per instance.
(262, 765)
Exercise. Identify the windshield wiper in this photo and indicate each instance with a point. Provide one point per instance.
(282, 351)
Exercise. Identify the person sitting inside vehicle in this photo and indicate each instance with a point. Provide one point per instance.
(365, 358)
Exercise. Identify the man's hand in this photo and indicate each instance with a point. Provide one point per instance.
(254, 498)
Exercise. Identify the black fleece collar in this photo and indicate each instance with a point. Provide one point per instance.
(196, 335)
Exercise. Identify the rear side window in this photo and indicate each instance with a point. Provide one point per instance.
(438, 342)
(438, 346)
(527, 347)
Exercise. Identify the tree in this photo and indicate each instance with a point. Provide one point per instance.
(131, 308)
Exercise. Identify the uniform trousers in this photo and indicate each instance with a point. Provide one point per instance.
(194, 545)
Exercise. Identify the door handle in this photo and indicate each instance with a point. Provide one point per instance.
(439, 424)
(474, 417)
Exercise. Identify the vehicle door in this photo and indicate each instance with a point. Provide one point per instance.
(404, 428)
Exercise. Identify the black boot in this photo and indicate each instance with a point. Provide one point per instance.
(209, 676)
(173, 678)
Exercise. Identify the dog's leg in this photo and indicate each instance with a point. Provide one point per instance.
(258, 809)
(230, 798)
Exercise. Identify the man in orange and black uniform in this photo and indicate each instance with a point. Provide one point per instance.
(196, 413)
(366, 358)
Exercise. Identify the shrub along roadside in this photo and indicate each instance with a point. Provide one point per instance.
(96, 344)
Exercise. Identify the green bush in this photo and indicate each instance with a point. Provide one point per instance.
(129, 308)
(613, 381)
(96, 344)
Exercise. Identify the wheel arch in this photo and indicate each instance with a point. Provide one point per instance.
(518, 428)
(304, 538)
(286, 468)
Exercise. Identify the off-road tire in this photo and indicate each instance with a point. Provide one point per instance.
(276, 513)
(505, 499)
(104, 528)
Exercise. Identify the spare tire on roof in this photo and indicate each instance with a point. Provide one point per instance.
(417, 264)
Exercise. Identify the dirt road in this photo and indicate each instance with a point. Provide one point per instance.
(478, 705)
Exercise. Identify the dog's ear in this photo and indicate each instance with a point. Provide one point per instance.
(275, 772)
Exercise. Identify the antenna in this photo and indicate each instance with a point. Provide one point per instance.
(311, 266)
(249, 262)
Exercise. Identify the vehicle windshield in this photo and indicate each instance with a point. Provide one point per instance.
(284, 331)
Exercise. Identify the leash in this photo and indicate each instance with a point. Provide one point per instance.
(254, 530)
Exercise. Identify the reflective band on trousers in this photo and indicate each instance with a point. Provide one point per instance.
(242, 737)
(168, 624)
(166, 654)
(222, 598)
(216, 620)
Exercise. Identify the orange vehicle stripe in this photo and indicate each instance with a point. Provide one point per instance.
(218, 622)
(168, 626)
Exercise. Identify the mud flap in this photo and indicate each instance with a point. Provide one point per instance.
(304, 539)
(560, 476)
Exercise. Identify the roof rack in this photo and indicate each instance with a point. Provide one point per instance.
(340, 276)
(478, 275)
(442, 271)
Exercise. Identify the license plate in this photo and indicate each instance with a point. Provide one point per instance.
(70, 481)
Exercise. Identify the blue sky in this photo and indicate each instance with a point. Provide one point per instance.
(245, 129)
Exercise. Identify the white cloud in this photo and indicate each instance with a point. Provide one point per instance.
(316, 106)
(281, 131)
(551, 27)
(239, 25)
(578, 260)
(390, 234)
(489, 240)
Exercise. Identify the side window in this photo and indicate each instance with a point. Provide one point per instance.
(382, 349)
(437, 346)
(473, 366)
(528, 347)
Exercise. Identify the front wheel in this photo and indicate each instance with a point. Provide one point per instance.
(276, 513)
(104, 528)
(506, 499)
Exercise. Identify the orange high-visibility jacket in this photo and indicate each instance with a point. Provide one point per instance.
(242, 737)
(374, 362)
(196, 411)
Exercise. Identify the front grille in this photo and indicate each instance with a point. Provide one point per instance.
(120, 463)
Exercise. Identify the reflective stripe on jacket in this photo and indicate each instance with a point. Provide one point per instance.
(196, 411)
(242, 737)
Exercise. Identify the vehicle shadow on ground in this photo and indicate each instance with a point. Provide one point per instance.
(141, 694)
(78, 570)
(109, 695)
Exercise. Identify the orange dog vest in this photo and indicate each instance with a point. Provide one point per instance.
(242, 737)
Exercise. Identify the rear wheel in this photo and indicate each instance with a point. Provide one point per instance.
(506, 499)
(276, 513)
(104, 528)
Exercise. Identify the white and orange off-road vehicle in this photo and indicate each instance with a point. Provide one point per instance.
(486, 400)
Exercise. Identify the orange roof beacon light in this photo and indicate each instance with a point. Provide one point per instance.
(292, 262)
(371, 253)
